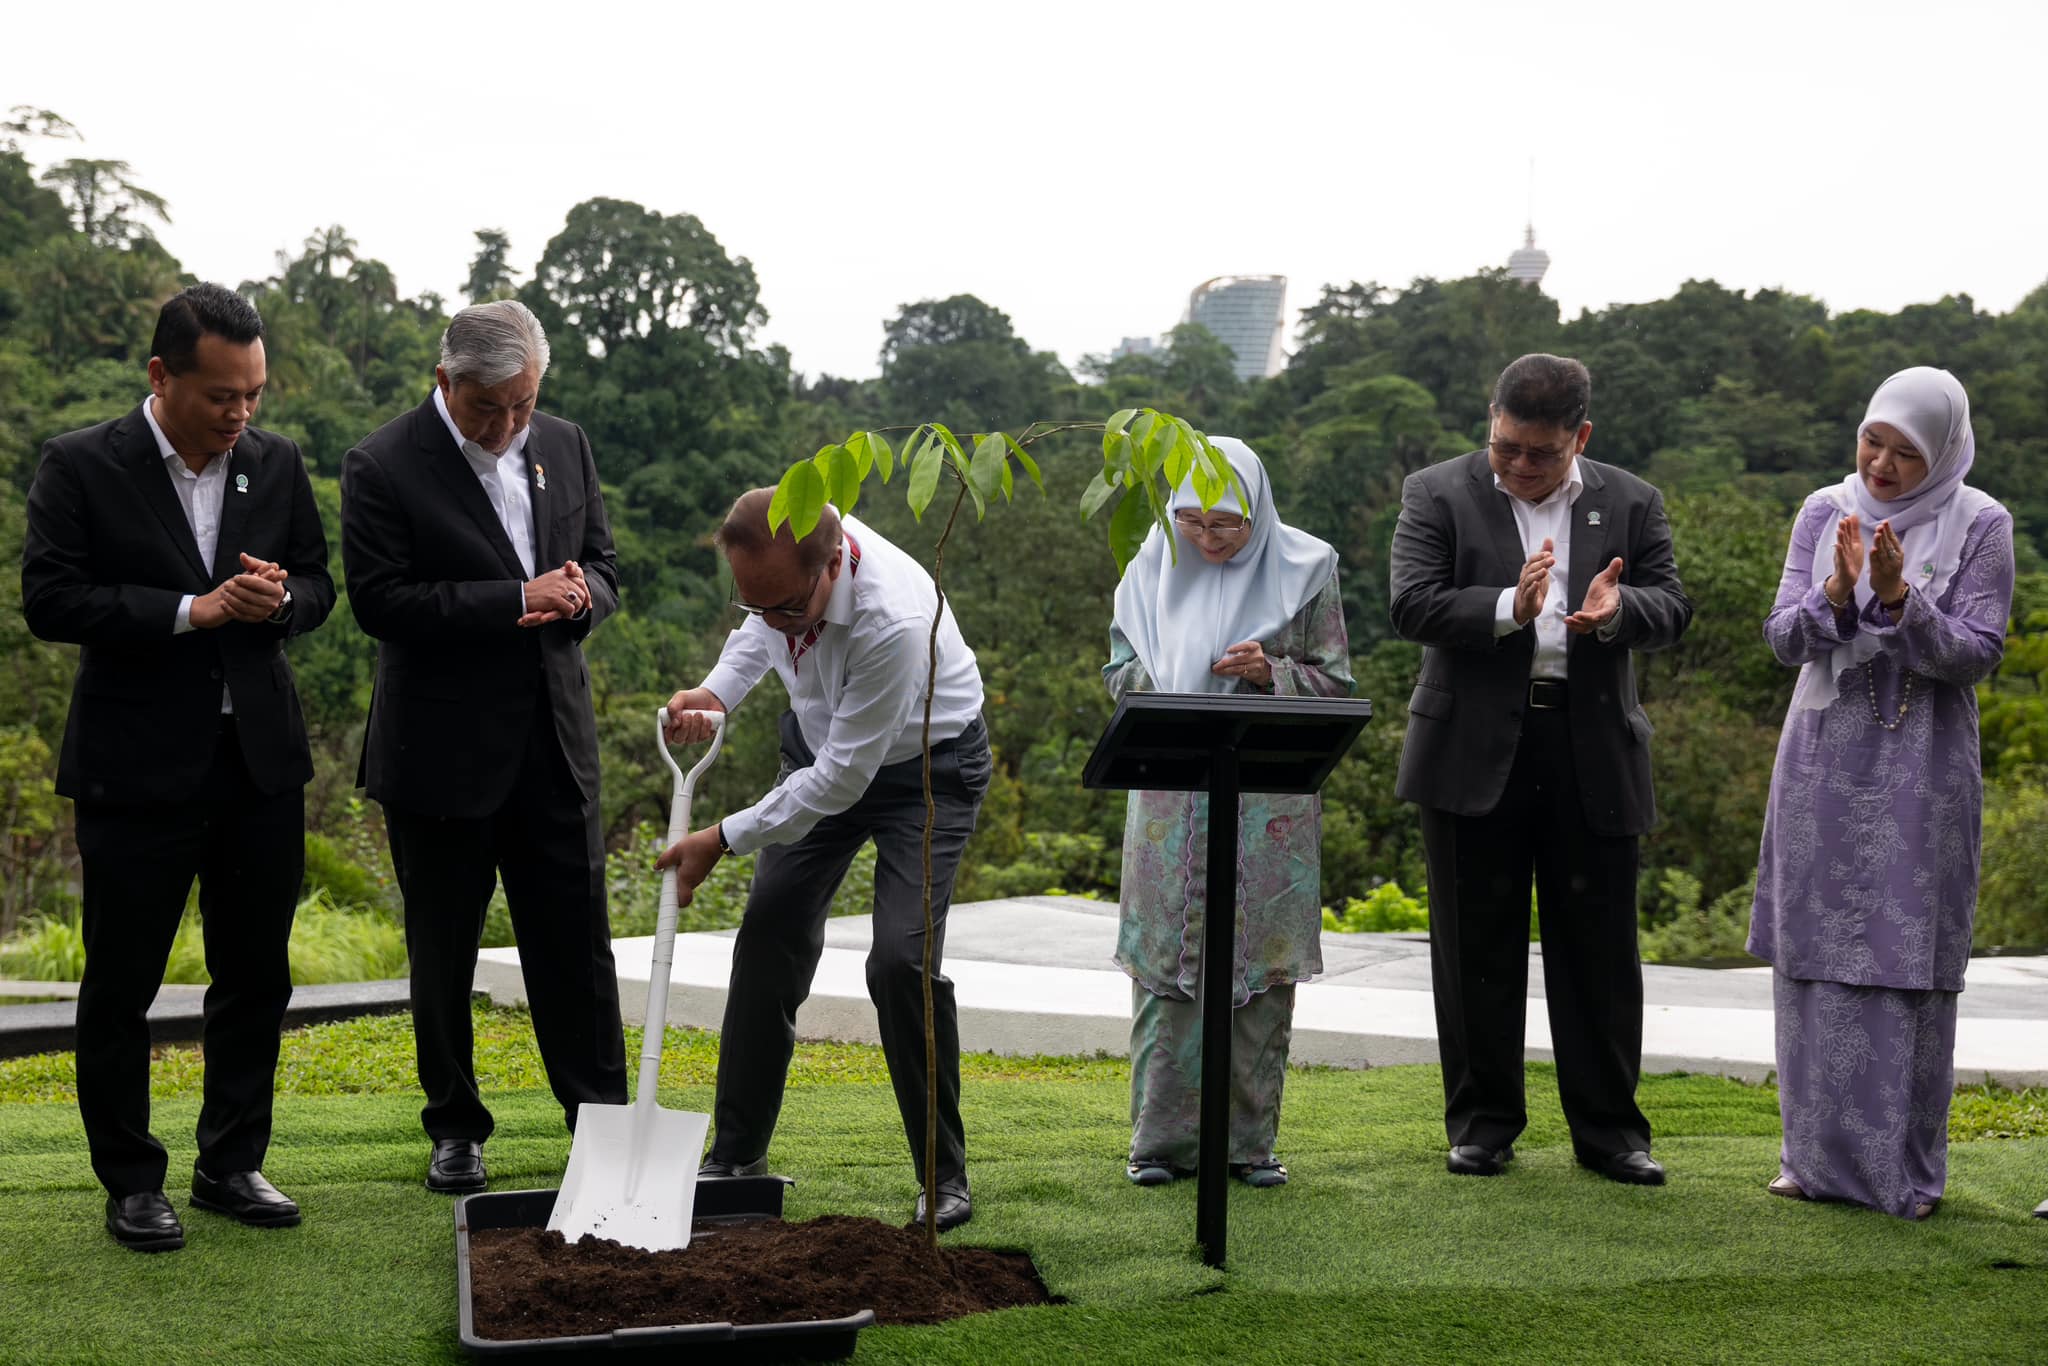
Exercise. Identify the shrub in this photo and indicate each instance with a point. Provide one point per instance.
(2011, 911)
(1681, 930)
(329, 943)
(1385, 909)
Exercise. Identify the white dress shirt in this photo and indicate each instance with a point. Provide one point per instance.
(858, 692)
(1552, 518)
(201, 495)
(504, 479)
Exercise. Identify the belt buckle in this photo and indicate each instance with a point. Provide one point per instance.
(1542, 691)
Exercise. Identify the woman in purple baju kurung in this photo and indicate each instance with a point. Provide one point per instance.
(1893, 603)
(1248, 604)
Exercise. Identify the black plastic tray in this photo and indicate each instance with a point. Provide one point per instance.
(719, 1201)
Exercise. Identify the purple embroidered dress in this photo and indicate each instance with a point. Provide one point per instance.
(1867, 877)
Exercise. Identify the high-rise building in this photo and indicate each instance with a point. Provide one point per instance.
(1248, 314)
(1528, 264)
(1138, 346)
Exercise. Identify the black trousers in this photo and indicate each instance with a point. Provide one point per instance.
(248, 850)
(544, 842)
(1479, 878)
(783, 933)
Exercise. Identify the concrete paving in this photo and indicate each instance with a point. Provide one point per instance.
(1033, 975)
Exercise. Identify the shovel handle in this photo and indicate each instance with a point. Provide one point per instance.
(665, 924)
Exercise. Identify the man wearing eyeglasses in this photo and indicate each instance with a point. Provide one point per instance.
(844, 619)
(1529, 574)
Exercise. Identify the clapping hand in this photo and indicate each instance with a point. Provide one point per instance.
(1534, 584)
(556, 595)
(1603, 600)
(1841, 585)
(1887, 564)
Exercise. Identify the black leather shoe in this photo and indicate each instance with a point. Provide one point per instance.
(457, 1166)
(144, 1222)
(245, 1197)
(715, 1167)
(2041, 1210)
(955, 1208)
(1632, 1169)
(1470, 1159)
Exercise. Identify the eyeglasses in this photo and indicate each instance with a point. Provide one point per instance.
(1190, 522)
(793, 608)
(1535, 455)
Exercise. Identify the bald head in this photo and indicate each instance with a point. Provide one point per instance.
(775, 574)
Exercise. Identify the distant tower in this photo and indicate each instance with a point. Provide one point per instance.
(1529, 263)
(1248, 314)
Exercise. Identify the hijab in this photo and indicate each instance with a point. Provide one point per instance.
(1930, 409)
(1181, 612)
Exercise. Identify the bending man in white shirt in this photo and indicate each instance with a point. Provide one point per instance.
(845, 619)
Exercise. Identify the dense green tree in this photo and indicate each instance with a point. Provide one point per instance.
(490, 274)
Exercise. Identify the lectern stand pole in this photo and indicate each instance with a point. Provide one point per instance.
(1218, 979)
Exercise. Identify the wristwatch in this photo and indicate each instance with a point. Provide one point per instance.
(284, 609)
(723, 847)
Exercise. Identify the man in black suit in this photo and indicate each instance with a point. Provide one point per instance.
(477, 553)
(1529, 573)
(180, 547)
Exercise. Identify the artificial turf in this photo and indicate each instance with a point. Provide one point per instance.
(1371, 1253)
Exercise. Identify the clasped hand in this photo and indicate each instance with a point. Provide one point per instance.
(1246, 660)
(556, 595)
(251, 596)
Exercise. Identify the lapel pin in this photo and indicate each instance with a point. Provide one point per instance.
(1593, 517)
(540, 478)
(241, 483)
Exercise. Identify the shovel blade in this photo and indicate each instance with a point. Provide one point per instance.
(632, 1176)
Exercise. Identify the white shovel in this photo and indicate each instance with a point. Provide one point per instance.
(633, 1168)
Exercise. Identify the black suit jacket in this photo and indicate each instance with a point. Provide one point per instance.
(1456, 546)
(432, 576)
(107, 557)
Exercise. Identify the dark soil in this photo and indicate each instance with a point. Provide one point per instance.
(530, 1283)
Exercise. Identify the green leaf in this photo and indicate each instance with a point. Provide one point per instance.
(924, 475)
(1116, 457)
(1128, 527)
(799, 499)
(945, 434)
(991, 457)
(863, 458)
(1009, 482)
(1024, 459)
(1117, 420)
(1098, 492)
(843, 479)
(878, 445)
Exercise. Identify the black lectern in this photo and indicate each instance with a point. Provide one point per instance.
(1223, 744)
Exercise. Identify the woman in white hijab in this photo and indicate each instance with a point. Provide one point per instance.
(1893, 607)
(1246, 605)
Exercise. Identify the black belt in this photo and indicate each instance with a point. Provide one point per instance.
(1547, 694)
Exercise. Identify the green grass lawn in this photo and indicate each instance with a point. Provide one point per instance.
(1372, 1253)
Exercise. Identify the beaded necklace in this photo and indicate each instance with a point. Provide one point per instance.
(1905, 698)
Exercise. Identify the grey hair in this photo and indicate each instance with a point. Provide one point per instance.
(490, 343)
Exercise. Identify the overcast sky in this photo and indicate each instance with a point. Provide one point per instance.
(1083, 166)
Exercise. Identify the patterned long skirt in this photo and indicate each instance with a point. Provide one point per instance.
(1865, 1075)
(1166, 1075)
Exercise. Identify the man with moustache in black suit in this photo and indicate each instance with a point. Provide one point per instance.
(179, 547)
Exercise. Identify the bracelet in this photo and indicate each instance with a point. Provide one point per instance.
(1904, 593)
(1838, 606)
